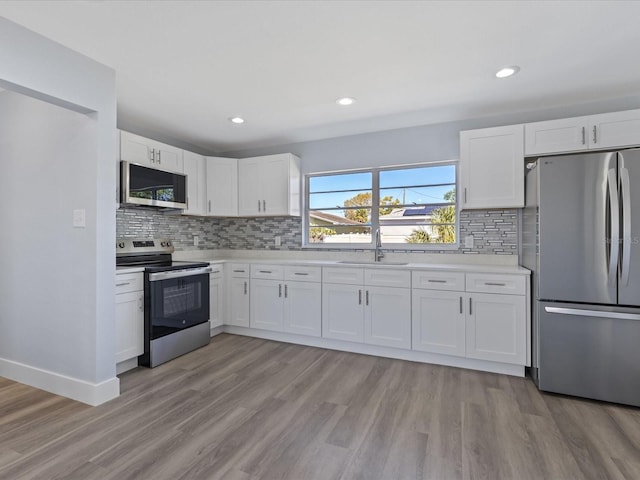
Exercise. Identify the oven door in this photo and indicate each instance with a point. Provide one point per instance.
(177, 300)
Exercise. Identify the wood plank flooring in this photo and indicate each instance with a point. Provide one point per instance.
(245, 408)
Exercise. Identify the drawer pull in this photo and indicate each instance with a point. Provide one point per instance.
(300, 273)
(461, 305)
(216, 271)
(122, 284)
(265, 271)
(238, 271)
(436, 281)
(470, 307)
(495, 284)
(245, 288)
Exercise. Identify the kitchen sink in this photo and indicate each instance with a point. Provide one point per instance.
(370, 262)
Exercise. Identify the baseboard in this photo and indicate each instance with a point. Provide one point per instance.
(388, 352)
(217, 330)
(86, 392)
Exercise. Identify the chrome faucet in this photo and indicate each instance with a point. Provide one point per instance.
(379, 254)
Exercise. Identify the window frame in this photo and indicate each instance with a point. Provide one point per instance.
(375, 210)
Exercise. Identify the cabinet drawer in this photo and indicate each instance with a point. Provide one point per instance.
(240, 270)
(129, 282)
(387, 278)
(271, 272)
(453, 281)
(217, 270)
(496, 283)
(303, 274)
(351, 276)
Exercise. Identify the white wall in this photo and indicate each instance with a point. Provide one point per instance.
(56, 282)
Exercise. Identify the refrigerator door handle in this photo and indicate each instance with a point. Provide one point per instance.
(614, 223)
(626, 225)
(592, 313)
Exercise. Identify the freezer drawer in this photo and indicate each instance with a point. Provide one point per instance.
(590, 351)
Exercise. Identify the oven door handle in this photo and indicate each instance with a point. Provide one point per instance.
(156, 277)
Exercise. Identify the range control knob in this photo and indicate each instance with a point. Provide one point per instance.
(121, 245)
(168, 244)
(163, 244)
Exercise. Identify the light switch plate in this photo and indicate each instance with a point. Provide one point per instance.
(79, 218)
(468, 241)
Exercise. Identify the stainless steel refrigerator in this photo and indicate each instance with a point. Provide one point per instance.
(581, 239)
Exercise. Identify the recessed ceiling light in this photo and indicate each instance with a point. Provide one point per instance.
(237, 120)
(507, 71)
(344, 101)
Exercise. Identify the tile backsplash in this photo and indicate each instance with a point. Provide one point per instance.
(495, 232)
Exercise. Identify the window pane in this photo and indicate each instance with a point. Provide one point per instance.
(406, 177)
(340, 199)
(342, 181)
(417, 195)
(339, 234)
(418, 233)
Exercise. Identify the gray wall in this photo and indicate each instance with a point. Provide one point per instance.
(57, 306)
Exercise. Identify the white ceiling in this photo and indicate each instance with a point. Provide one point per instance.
(184, 67)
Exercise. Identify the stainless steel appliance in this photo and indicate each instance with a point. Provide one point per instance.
(151, 187)
(176, 299)
(581, 239)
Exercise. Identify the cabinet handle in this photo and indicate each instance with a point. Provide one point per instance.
(209, 206)
(285, 290)
(300, 273)
(436, 281)
(465, 194)
(265, 271)
(259, 206)
(495, 284)
(367, 298)
(238, 271)
(470, 307)
(152, 155)
(584, 135)
(122, 284)
(159, 157)
(140, 304)
(279, 290)
(460, 303)
(264, 205)
(595, 134)
(245, 288)
(359, 297)
(215, 271)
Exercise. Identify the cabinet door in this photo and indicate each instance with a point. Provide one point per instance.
(617, 129)
(303, 308)
(239, 298)
(168, 157)
(129, 325)
(492, 167)
(136, 149)
(556, 136)
(438, 322)
(250, 187)
(343, 312)
(274, 172)
(216, 301)
(496, 328)
(222, 187)
(387, 317)
(266, 304)
(194, 169)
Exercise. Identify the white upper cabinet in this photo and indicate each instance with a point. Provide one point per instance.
(269, 186)
(607, 130)
(222, 187)
(194, 169)
(492, 167)
(137, 149)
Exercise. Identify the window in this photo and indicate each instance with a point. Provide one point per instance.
(414, 205)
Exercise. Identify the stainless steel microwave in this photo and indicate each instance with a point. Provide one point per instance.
(151, 187)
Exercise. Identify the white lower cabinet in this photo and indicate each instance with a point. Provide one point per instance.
(376, 312)
(438, 322)
(284, 305)
(216, 296)
(496, 328)
(239, 300)
(129, 316)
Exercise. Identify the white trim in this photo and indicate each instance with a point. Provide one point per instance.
(388, 352)
(86, 392)
(216, 330)
(126, 365)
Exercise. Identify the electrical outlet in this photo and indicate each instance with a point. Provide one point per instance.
(79, 218)
(468, 241)
(277, 241)
(196, 240)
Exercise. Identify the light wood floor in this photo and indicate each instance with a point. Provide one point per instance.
(245, 408)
